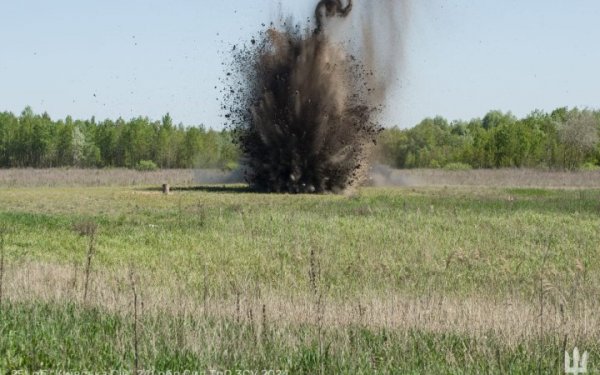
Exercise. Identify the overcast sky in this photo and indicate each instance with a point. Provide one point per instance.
(128, 58)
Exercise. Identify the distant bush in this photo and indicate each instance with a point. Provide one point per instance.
(230, 166)
(146, 166)
(458, 167)
(590, 167)
(435, 164)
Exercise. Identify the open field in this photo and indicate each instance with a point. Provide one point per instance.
(405, 280)
(492, 178)
(92, 177)
(380, 176)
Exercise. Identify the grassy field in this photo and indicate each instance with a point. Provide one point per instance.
(387, 280)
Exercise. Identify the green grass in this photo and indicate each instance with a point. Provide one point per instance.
(532, 192)
(400, 239)
(462, 243)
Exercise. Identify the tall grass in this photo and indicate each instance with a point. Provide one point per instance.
(87, 229)
(50, 329)
(2, 240)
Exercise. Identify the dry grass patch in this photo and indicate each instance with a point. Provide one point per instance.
(490, 178)
(511, 319)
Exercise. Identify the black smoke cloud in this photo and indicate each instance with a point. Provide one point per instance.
(303, 108)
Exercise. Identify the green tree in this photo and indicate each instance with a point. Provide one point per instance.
(579, 136)
(166, 152)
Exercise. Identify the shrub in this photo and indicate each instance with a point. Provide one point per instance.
(458, 167)
(435, 164)
(146, 166)
(230, 166)
(589, 167)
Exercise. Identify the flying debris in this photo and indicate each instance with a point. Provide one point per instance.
(305, 116)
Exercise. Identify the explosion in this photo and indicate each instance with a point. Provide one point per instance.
(302, 108)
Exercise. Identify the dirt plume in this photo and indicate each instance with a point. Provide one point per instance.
(303, 106)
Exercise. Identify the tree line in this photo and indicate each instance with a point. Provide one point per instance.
(563, 139)
(37, 141)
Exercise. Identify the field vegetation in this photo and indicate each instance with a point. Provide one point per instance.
(413, 279)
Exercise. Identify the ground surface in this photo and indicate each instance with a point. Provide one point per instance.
(406, 279)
